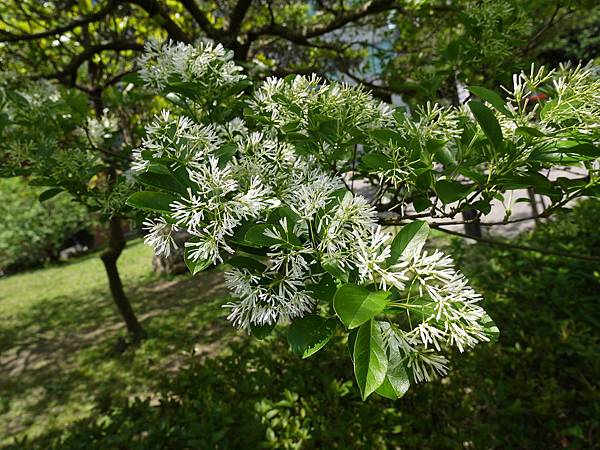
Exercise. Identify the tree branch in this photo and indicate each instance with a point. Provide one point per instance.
(156, 8)
(69, 73)
(200, 18)
(237, 16)
(521, 247)
(340, 20)
(100, 14)
(533, 41)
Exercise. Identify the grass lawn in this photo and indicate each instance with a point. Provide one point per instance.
(58, 328)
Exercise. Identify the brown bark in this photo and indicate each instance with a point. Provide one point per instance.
(472, 229)
(116, 238)
(116, 244)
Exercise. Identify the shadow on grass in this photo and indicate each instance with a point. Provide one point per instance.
(56, 359)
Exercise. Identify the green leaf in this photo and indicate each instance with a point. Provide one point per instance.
(491, 97)
(451, 191)
(309, 334)
(176, 100)
(421, 204)
(474, 175)
(133, 78)
(482, 205)
(407, 241)
(256, 235)
(239, 234)
(530, 131)
(488, 122)
(237, 88)
(370, 360)
(194, 266)
(324, 290)
(351, 341)
(226, 152)
(396, 382)
(186, 89)
(260, 332)
(47, 195)
(284, 212)
(162, 181)
(376, 161)
(155, 201)
(355, 305)
(17, 98)
(490, 329)
(584, 149)
(445, 156)
(424, 181)
(400, 114)
(250, 264)
(535, 180)
(386, 136)
(335, 271)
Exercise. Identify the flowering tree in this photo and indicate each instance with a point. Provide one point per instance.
(267, 177)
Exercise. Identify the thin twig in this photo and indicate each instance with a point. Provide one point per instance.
(524, 248)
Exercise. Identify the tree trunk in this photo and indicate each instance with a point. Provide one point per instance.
(116, 244)
(534, 208)
(472, 228)
(460, 96)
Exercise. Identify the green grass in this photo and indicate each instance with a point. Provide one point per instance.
(59, 326)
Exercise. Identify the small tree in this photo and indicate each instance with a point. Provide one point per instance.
(58, 138)
(265, 178)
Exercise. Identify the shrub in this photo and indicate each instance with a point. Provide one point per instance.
(33, 232)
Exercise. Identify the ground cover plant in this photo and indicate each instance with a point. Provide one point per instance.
(60, 340)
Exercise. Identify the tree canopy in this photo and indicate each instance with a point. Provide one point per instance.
(414, 48)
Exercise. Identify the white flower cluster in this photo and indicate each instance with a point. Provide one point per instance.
(207, 64)
(178, 139)
(442, 310)
(433, 122)
(250, 187)
(562, 100)
(159, 235)
(576, 94)
(353, 105)
(99, 129)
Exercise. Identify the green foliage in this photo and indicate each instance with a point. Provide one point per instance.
(481, 43)
(356, 305)
(310, 334)
(32, 232)
(59, 137)
(370, 359)
(396, 382)
(266, 169)
(409, 240)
